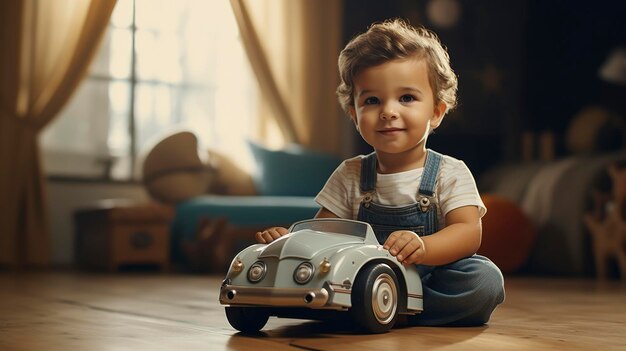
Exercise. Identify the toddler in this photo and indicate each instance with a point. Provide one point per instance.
(396, 86)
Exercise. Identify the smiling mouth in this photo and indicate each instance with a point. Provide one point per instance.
(390, 131)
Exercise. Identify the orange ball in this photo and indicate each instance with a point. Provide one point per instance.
(508, 234)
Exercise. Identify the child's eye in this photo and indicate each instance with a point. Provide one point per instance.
(407, 98)
(371, 100)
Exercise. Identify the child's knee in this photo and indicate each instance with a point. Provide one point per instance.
(488, 293)
(491, 281)
(464, 293)
(490, 288)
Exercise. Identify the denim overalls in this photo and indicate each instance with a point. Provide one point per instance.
(464, 292)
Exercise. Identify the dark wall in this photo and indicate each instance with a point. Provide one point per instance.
(567, 43)
(522, 66)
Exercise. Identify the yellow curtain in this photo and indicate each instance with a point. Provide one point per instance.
(293, 47)
(46, 48)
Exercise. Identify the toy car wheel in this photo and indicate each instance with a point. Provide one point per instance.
(247, 319)
(375, 298)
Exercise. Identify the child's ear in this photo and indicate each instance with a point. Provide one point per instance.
(438, 113)
(352, 112)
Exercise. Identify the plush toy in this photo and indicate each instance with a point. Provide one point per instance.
(173, 170)
(508, 234)
(176, 170)
(607, 225)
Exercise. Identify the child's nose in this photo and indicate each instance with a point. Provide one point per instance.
(388, 111)
(388, 114)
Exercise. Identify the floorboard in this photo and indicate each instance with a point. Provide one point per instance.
(143, 311)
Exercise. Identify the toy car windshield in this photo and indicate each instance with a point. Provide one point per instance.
(353, 228)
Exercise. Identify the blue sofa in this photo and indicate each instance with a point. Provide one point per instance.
(286, 181)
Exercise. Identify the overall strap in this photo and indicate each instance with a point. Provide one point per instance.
(431, 170)
(368, 173)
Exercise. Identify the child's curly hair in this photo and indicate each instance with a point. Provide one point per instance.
(395, 39)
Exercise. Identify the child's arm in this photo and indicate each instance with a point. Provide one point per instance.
(460, 238)
(271, 234)
(325, 213)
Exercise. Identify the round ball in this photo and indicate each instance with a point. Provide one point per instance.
(508, 234)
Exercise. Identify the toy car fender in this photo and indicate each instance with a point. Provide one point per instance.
(346, 271)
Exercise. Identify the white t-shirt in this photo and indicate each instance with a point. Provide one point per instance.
(455, 187)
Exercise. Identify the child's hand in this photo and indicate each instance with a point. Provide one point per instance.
(406, 246)
(270, 234)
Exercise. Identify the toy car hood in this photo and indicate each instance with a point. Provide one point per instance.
(306, 244)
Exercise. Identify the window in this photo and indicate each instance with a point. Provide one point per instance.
(163, 65)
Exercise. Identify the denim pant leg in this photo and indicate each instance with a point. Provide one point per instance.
(462, 293)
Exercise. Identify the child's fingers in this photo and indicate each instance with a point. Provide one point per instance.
(269, 235)
(405, 244)
(259, 236)
(415, 257)
(391, 240)
(408, 247)
(274, 233)
(401, 239)
(265, 237)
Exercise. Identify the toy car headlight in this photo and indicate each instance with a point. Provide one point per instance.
(303, 273)
(257, 271)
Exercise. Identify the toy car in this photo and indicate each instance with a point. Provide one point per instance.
(321, 267)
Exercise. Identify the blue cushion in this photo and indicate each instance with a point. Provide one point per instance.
(293, 171)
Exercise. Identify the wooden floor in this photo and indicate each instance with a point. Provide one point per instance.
(139, 311)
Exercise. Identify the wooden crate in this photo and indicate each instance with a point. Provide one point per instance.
(115, 233)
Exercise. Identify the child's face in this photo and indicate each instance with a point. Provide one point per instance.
(394, 106)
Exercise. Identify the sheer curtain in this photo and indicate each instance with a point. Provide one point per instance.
(46, 48)
(293, 47)
(190, 73)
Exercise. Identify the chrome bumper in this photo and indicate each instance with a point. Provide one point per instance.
(283, 297)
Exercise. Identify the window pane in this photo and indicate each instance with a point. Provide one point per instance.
(165, 65)
(147, 55)
(119, 135)
(83, 125)
(121, 53)
(161, 15)
(198, 109)
(154, 112)
(158, 56)
(114, 57)
(149, 13)
(122, 16)
(200, 40)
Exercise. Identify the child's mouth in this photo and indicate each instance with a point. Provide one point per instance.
(390, 131)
